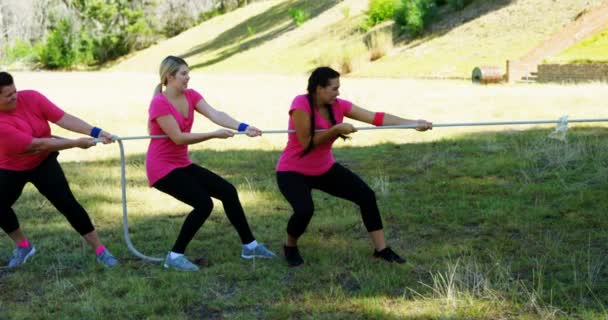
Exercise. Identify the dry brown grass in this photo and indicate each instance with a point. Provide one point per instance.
(469, 39)
(486, 33)
(379, 43)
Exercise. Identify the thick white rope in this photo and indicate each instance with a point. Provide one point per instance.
(123, 179)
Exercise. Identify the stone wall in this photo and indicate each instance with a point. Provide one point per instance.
(583, 72)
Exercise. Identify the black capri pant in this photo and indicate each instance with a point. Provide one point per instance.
(50, 180)
(195, 185)
(337, 181)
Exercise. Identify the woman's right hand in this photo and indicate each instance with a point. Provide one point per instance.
(223, 133)
(345, 128)
(85, 143)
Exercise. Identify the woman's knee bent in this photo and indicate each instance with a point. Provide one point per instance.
(299, 222)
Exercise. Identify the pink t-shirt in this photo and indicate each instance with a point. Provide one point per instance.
(163, 154)
(320, 158)
(21, 125)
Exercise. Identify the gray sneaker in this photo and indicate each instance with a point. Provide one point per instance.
(258, 252)
(20, 256)
(179, 263)
(107, 259)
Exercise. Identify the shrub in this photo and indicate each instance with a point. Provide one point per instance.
(381, 10)
(20, 51)
(299, 16)
(85, 48)
(415, 15)
(59, 49)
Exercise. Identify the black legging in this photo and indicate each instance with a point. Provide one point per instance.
(49, 179)
(195, 186)
(338, 181)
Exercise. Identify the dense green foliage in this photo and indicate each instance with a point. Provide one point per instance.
(60, 49)
(413, 16)
(93, 32)
(381, 10)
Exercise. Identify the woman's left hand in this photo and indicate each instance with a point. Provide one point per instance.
(106, 137)
(253, 131)
(423, 125)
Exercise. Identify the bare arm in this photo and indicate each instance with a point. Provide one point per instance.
(223, 119)
(367, 116)
(168, 124)
(75, 124)
(301, 122)
(54, 144)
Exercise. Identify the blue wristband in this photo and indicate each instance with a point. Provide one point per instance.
(243, 126)
(95, 132)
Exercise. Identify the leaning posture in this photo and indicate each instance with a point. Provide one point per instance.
(28, 153)
(307, 162)
(170, 170)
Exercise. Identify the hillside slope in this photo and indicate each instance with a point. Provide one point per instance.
(262, 38)
(593, 49)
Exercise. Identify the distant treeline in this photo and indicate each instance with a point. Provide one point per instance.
(60, 34)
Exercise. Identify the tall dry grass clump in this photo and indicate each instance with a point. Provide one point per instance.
(379, 44)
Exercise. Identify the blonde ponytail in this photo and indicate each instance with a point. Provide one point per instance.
(168, 67)
(157, 90)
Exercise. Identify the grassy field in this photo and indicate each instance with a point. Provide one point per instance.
(591, 50)
(496, 223)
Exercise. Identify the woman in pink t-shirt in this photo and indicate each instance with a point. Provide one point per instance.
(307, 162)
(170, 170)
(28, 153)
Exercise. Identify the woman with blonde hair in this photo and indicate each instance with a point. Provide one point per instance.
(170, 170)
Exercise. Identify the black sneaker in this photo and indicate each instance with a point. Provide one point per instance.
(389, 255)
(292, 255)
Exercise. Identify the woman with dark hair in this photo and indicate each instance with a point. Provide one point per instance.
(307, 162)
(170, 170)
(28, 153)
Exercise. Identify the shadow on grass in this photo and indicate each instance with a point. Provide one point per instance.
(515, 202)
(448, 20)
(265, 24)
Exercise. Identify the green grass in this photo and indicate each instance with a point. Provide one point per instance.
(494, 225)
(591, 50)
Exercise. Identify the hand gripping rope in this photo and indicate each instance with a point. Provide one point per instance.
(559, 133)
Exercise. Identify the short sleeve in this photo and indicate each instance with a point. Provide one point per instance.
(194, 97)
(345, 106)
(50, 111)
(158, 108)
(13, 141)
(300, 103)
